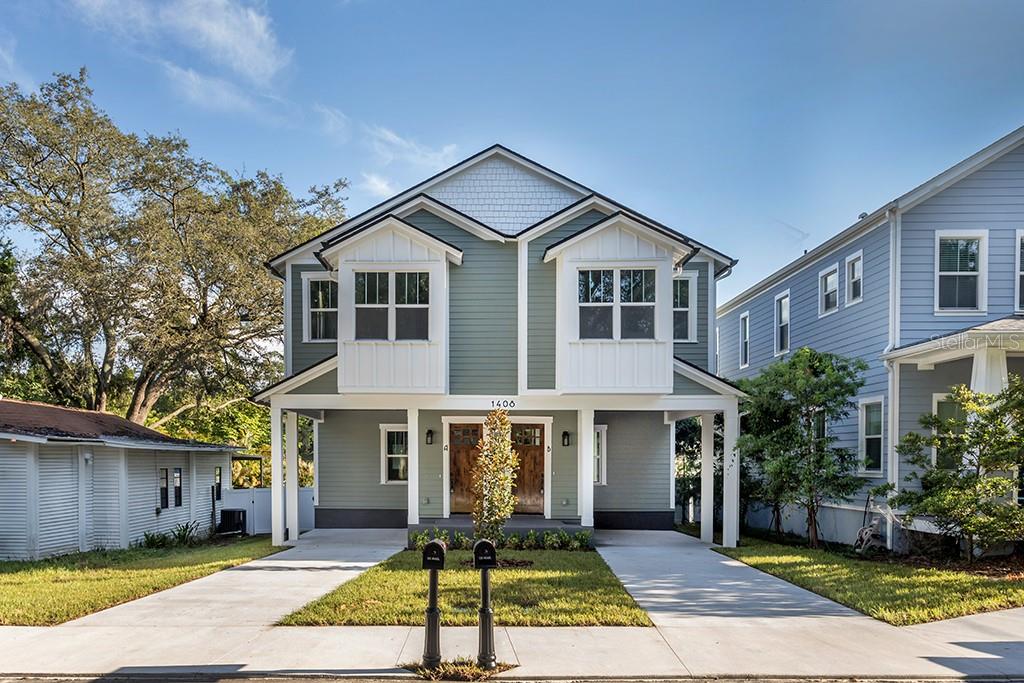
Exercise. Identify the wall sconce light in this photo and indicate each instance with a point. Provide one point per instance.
(430, 436)
(565, 439)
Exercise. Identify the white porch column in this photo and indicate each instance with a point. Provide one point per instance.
(276, 476)
(731, 480)
(585, 467)
(707, 477)
(988, 372)
(412, 423)
(291, 443)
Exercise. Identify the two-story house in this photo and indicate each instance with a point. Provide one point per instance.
(498, 283)
(928, 290)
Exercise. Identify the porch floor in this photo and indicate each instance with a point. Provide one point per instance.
(518, 524)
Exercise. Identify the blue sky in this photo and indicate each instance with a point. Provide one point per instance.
(760, 128)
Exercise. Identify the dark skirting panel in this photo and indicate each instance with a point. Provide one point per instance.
(604, 519)
(335, 518)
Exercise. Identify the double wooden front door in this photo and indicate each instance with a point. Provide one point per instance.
(464, 448)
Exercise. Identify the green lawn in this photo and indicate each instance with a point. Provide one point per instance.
(561, 588)
(897, 593)
(52, 591)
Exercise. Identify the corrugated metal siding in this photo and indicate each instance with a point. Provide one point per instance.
(349, 461)
(482, 304)
(638, 462)
(541, 278)
(697, 353)
(143, 495)
(304, 354)
(991, 198)
(14, 460)
(58, 500)
(106, 499)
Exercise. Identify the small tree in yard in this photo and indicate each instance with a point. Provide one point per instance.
(494, 477)
(788, 406)
(967, 490)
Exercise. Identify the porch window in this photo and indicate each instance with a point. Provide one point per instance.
(744, 340)
(854, 278)
(412, 305)
(684, 320)
(177, 487)
(597, 302)
(782, 323)
(871, 437)
(394, 454)
(162, 480)
(960, 270)
(321, 297)
(371, 301)
(828, 290)
(636, 289)
(946, 409)
(600, 459)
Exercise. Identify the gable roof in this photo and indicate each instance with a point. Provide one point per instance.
(286, 384)
(904, 202)
(661, 235)
(453, 252)
(45, 423)
(709, 379)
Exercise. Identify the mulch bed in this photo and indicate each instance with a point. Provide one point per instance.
(503, 564)
(1010, 568)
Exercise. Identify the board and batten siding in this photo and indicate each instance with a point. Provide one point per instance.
(855, 331)
(482, 305)
(304, 354)
(541, 283)
(349, 460)
(697, 352)
(58, 500)
(14, 523)
(992, 199)
(638, 453)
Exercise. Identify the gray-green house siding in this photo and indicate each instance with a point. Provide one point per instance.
(304, 354)
(349, 461)
(697, 351)
(638, 452)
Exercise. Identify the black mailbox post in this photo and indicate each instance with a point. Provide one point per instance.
(433, 560)
(485, 558)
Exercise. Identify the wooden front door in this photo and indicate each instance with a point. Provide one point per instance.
(528, 441)
(464, 445)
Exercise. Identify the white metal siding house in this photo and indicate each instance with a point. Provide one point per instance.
(74, 480)
(498, 283)
(928, 290)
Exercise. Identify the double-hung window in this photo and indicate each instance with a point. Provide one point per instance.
(782, 323)
(945, 408)
(854, 278)
(177, 487)
(392, 306)
(394, 454)
(684, 318)
(1020, 276)
(600, 454)
(163, 488)
(871, 422)
(636, 289)
(321, 299)
(372, 305)
(744, 339)
(597, 303)
(412, 305)
(960, 271)
(828, 290)
(217, 485)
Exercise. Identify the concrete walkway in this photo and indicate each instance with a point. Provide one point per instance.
(714, 617)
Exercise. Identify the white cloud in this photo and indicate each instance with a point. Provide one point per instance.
(229, 33)
(376, 185)
(10, 70)
(208, 92)
(390, 147)
(334, 123)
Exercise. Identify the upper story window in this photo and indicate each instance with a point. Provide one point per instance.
(321, 303)
(854, 278)
(745, 339)
(828, 290)
(628, 308)
(782, 323)
(684, 308)
(392, 306)
(1020, 277)
(960, 263)
(871, 436)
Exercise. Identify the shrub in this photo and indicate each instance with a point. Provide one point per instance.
(552, 541)
(419, 540)
(185, 533)
(494, 477)
(155, 540)
(585, 539)
(531, 542)
(513, 542)
(461, 541)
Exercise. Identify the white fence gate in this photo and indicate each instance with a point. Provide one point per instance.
(256, 503)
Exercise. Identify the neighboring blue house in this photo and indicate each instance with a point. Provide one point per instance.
(928, 290)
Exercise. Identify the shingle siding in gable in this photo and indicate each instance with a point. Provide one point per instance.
(992, 199)
(482, 304)
(304, 354)
(541, 302)
(697, 353)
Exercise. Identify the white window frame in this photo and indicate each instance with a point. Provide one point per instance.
(613, 304)
(936, 399)
(691, 308)
(744, 325)
(779, 351)
(822, 275)
(392, 306)
(861, 435)
(852, 258)
(982, 237)
(384, 429)
(617, 304)
(1017, 303)
(601, 471)
(307, 312)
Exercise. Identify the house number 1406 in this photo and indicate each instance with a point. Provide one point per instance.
(507, 403)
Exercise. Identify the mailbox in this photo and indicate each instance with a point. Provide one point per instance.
(484, 555)
(433, 555)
